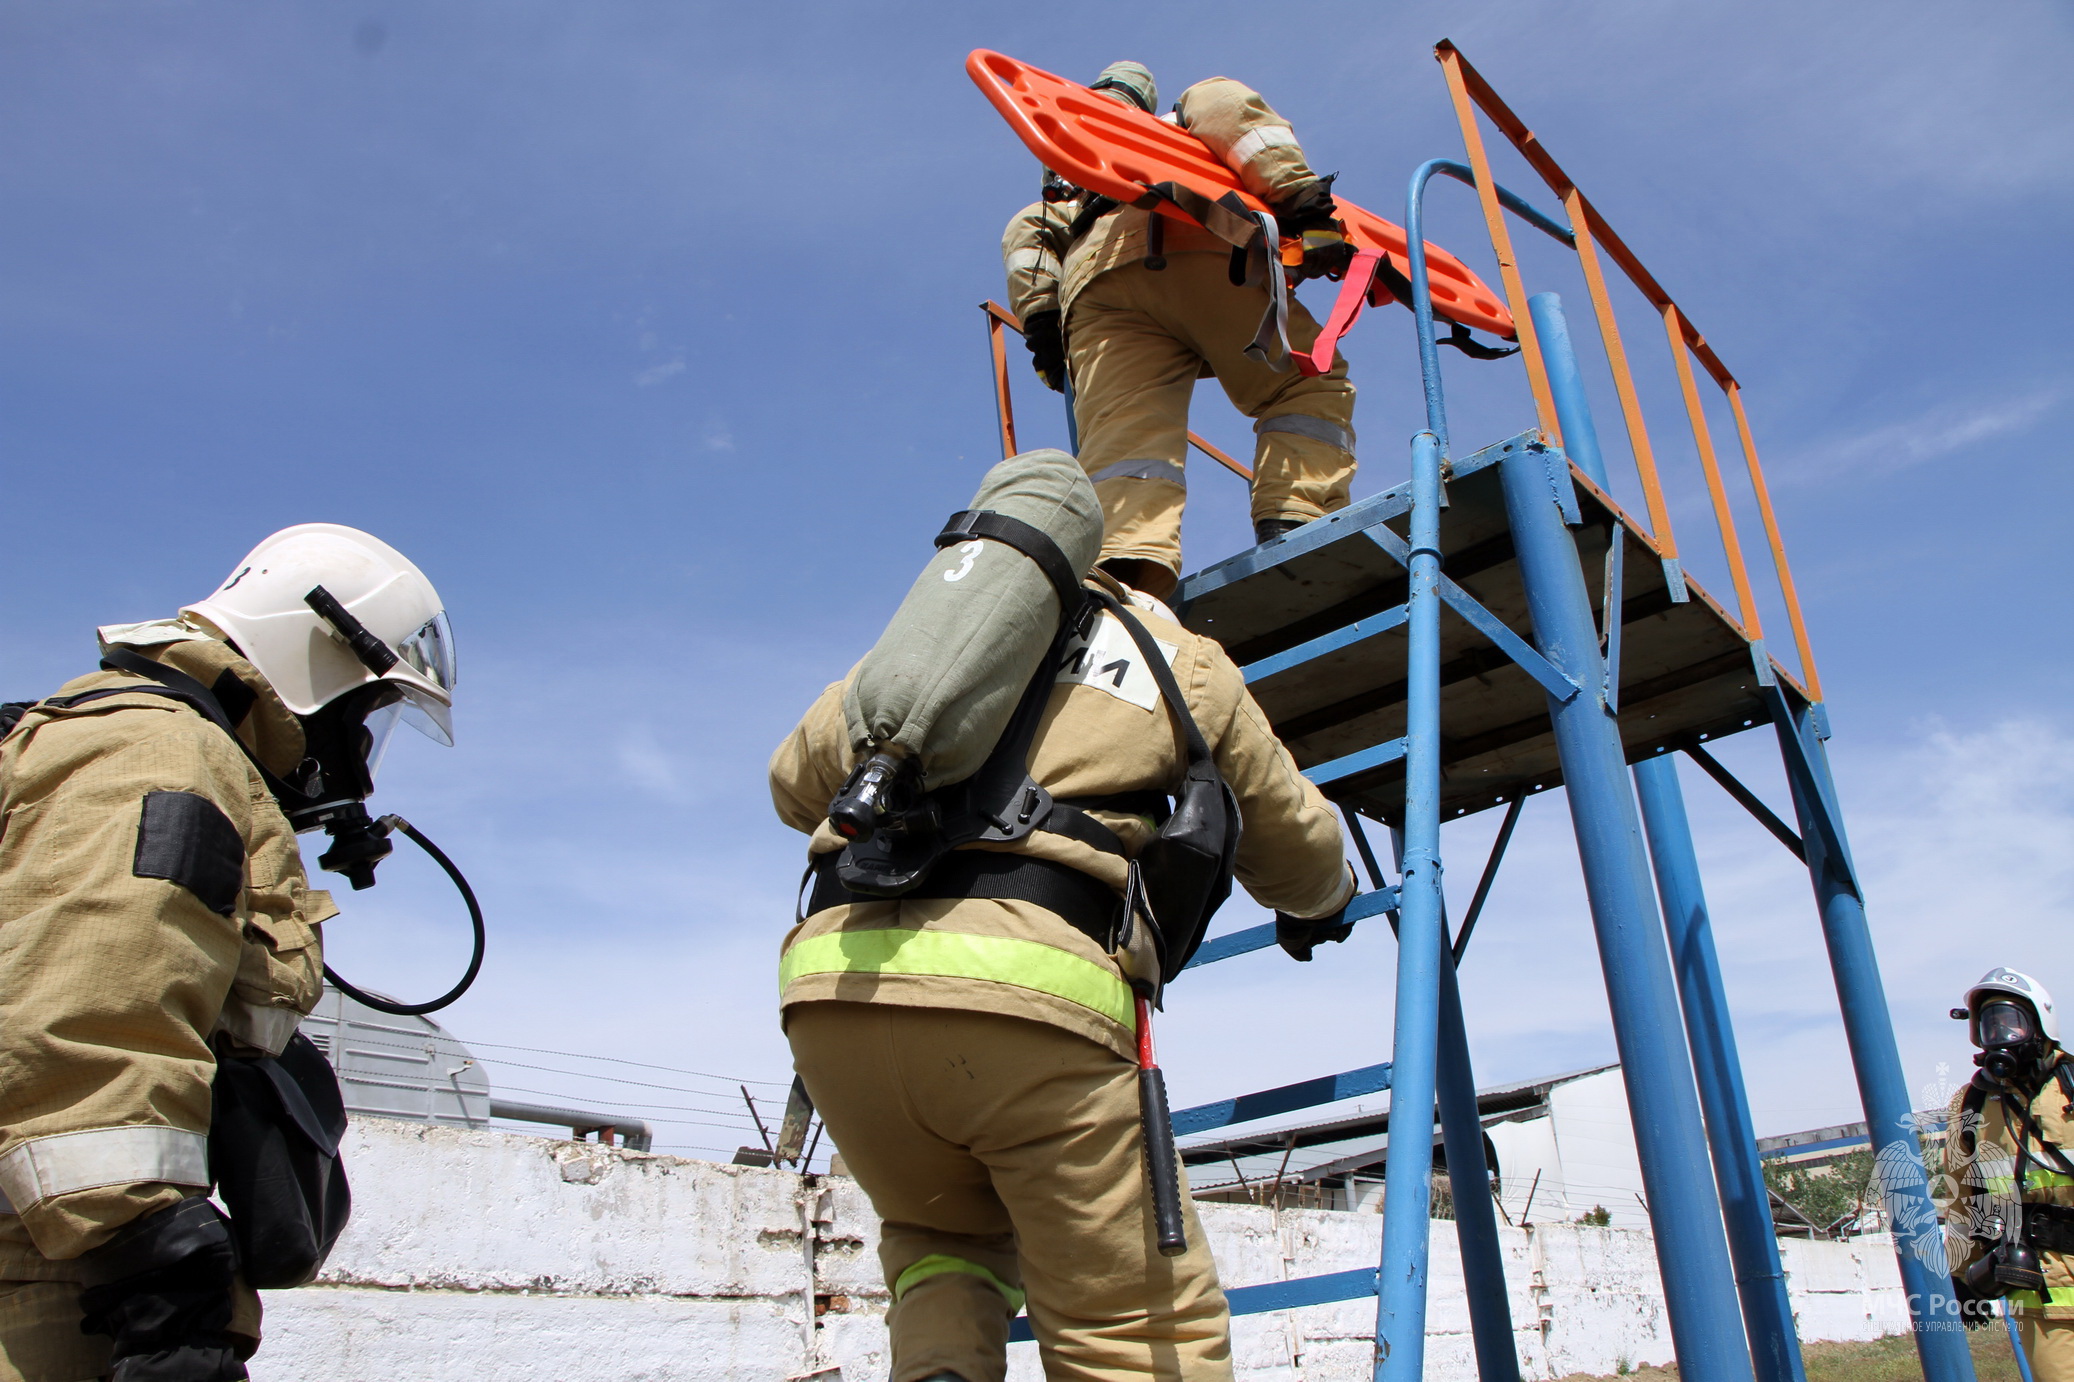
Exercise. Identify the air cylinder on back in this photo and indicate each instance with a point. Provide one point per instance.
(945, 676)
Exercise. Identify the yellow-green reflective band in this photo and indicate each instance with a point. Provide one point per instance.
(936, 1264)
(2033, 1180)
(961, 955)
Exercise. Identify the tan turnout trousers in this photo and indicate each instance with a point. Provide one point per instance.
(2048, 1347)
(1005, 1156)
(1137, 340)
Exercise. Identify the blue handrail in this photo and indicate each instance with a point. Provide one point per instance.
(1422, 288)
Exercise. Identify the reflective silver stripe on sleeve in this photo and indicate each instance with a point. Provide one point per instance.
(1029, 259)
(1257, 141)
(1141, 470)
(6, 1205)
(1303, 425)
(69, 1161)
(268, 1029)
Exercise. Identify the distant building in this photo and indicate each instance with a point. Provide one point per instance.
(411, 1068)
(1555, 1150)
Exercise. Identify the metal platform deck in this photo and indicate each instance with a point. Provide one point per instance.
(1317, 623)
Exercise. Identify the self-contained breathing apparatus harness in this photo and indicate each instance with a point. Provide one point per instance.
(905, 842)
(2009, 1251)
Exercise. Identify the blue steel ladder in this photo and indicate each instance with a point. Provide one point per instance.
(1579, 654)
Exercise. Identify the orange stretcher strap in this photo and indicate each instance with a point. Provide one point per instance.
(1124, 154)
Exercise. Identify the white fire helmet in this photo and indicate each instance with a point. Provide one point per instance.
(2020, 985)
(263, 607)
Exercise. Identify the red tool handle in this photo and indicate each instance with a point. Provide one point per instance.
(1162, 1165)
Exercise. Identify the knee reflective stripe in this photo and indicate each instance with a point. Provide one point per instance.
(937, 1264)
(1304, 425)
(1257, 141)
(961, 955)
(1141, 470)
(69, 1161)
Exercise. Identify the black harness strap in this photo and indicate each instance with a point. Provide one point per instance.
(1083, 901)
(1033, 542)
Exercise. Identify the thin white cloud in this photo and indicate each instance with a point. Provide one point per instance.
(1930, 436)
(656, 374)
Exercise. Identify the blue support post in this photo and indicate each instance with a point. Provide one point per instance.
(1876, 1060)
(1566, 386)
(1400, 1328)
(1476, 1221)
(1753, 1243)
(1461, 1131)
(1691, 1252)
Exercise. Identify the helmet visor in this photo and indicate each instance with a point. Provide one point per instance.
(2004, 1023)
(430, 651)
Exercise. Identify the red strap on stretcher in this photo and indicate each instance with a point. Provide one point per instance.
(1346, 310)
(1122, 153)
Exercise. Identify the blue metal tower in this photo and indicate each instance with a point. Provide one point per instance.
(1576, 652)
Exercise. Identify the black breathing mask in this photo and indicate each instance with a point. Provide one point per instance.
(2011, 1044)
(330, 790)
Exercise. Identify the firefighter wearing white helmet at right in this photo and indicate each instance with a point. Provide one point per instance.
(154, 915)
(2009, 1134)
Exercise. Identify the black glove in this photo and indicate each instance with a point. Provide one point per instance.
(162, 1288)
(1046, 339)
(1311, 217)
(1976, 1311)
(1298, 935)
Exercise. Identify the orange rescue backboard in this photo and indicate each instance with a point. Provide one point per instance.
(1120, 152)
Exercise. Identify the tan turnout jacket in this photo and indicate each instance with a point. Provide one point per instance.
(1045, 272)
(113, 980)
(1106, 731)
(1980, 1173)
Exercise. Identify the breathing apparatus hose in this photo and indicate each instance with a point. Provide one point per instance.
(387, 1005)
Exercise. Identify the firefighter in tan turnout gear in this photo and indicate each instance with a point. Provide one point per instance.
(2008, 1143)
(155, 917)
(971, 1044)
(1136, 307)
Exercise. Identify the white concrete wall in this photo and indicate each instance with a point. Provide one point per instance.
(479, 1254)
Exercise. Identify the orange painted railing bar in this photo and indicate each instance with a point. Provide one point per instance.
(1778, 545)
(1623, 377)
(998, 317)
(1244, 472)
(1583, 214)
(1501, 245)
(1724, 518)
(1003, 407)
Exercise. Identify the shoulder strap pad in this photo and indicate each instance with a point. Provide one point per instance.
(1033, 542)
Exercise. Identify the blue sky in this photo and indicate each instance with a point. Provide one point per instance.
(649, 330)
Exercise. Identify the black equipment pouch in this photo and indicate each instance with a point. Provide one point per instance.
(274, 1150)
(1185, 874)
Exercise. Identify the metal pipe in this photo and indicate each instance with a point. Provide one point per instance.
(1753, 1247)
(1476, 1222)
(1490, 876)
(1875, 1059)
(1566, 383)
(1422, 290)
(639, 1136)
(1400, 1329)
(1753, 1241)
(1461, 1131)
(1691, 1250)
